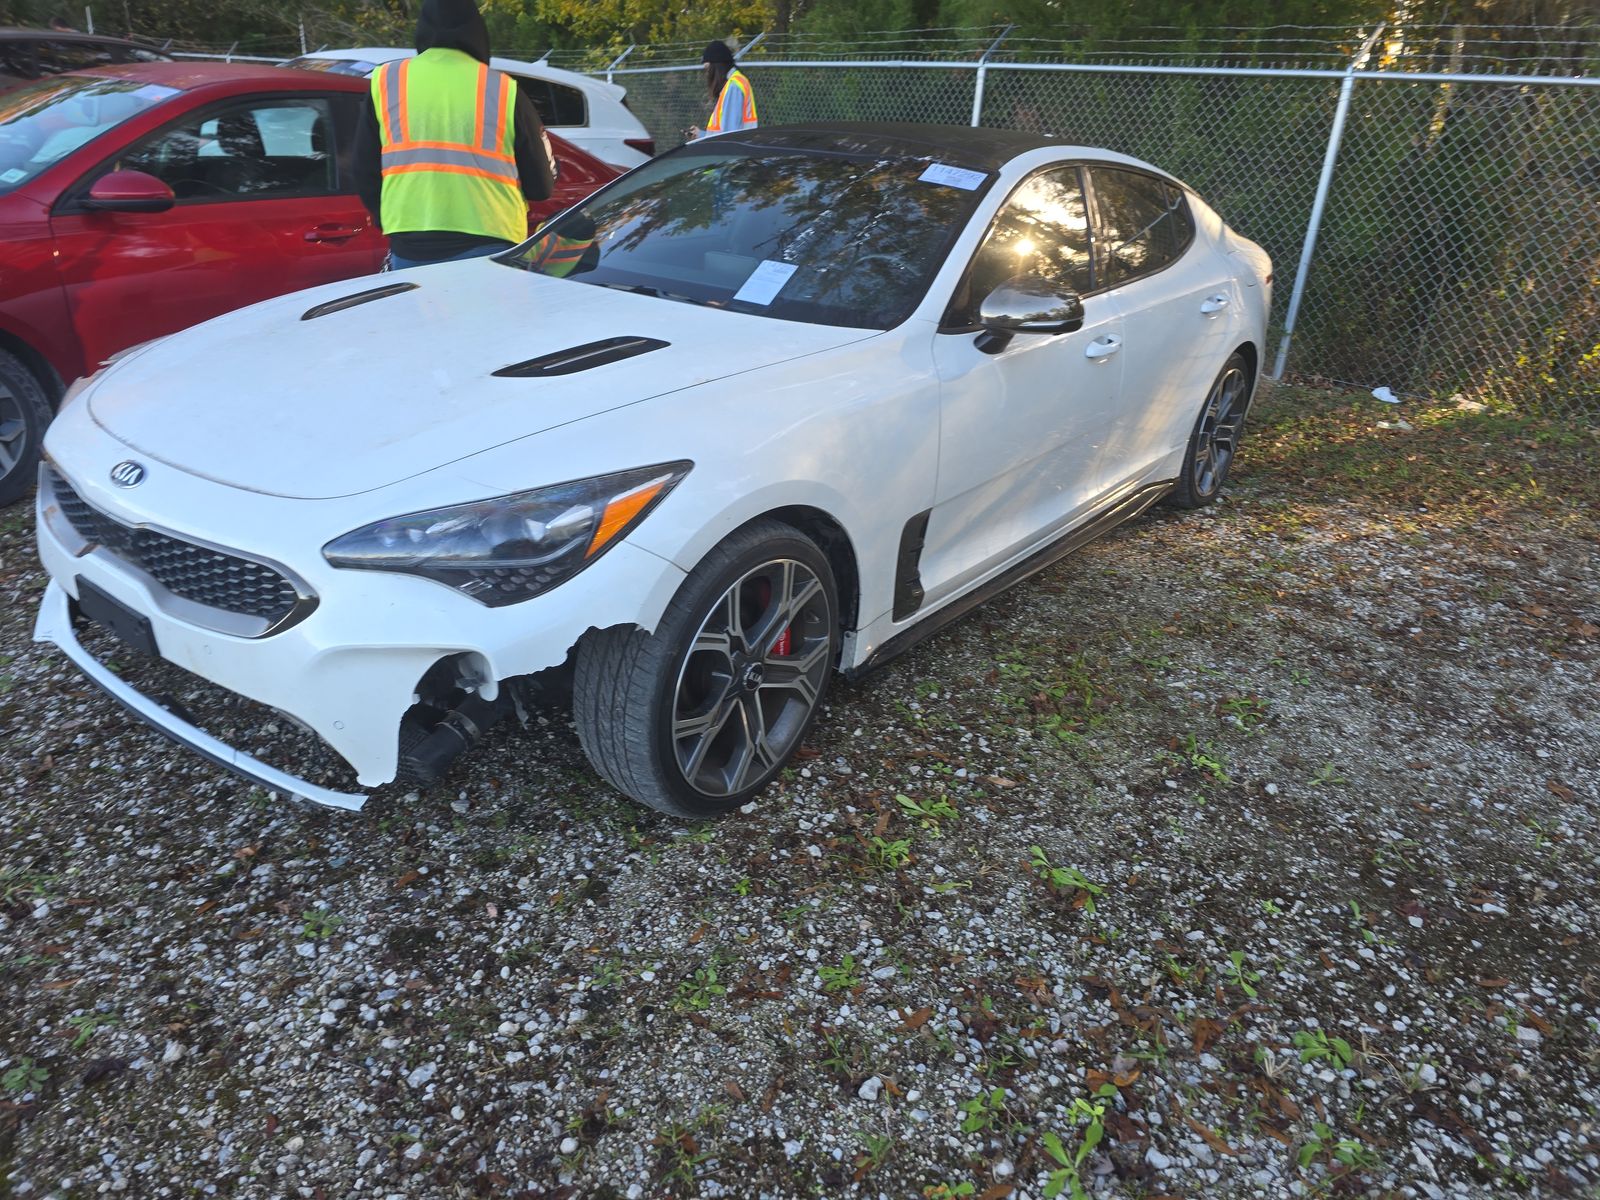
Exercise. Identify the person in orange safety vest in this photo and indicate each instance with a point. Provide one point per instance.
(730, 91)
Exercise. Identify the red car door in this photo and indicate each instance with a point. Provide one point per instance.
(260, 210)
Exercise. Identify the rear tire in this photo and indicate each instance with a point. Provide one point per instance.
(24, 415)
(697, 717)
(1215, 439)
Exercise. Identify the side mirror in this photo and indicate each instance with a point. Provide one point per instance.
(129, 191)
(1026, 304)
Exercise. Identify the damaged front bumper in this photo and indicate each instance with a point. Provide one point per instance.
(54, 625)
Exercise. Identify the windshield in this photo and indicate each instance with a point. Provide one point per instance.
(43, 123)
(829, 238)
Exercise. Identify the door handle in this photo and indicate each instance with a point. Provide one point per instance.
(1103, 347)
(1214, 304)
(331, 233)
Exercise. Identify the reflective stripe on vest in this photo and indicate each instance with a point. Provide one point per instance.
(747, 99)
(559, 255)
(446, 123)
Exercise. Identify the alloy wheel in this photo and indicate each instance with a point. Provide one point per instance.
(754, 671)
(13, 430)
(1219, 431)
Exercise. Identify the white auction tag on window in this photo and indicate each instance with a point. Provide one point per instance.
(765, 282)
(960, 177)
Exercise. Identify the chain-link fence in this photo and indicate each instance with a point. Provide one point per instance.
(1456, 245)
(1430, 196)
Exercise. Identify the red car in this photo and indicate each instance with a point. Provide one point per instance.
(138, 200)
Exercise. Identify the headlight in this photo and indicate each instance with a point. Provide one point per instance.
(513, 547)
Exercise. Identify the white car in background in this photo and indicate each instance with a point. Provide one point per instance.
(590, 113)
(774, 405)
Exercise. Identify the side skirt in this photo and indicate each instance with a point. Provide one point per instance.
(1080, 535)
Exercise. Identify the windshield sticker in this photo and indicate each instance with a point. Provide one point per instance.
(13, 175)
(765, 282)
(959, 177)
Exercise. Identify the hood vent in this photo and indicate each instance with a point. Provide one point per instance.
(581, 358)
(333, 306)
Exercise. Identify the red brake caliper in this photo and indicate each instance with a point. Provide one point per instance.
(784, 646)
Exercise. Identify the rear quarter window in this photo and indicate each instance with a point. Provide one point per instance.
(557, 104)
(1144, 223)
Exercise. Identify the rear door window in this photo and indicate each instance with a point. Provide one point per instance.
(1143, 223)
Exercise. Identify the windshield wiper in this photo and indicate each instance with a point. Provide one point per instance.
(641, 289)
(638, 289)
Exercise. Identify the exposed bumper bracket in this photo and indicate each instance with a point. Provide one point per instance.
(54, 625)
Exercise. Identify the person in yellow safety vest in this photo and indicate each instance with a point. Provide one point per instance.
(733, 98)
(450, 151)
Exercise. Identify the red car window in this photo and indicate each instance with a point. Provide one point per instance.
(262, 148)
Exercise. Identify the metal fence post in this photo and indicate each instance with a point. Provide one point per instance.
(983, 70)
(749, 46)
(617, 62)
(1308, 249)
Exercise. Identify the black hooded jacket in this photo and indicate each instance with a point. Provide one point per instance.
(450, 25)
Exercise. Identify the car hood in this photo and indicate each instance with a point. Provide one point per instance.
(270, 401)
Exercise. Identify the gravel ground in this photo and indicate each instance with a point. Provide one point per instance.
(1246, 853)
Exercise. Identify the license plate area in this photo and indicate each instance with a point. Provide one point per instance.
(111, 614)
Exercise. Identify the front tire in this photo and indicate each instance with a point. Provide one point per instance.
(1215, 439)
(24, 414)
(699, 716)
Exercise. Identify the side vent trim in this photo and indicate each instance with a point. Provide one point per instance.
(581, 358)
(333, 306)
(907, 575)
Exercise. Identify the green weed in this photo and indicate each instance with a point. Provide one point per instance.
(1064, 879)
(86, 1024)
(26, 1076)
(927, 813)
(1067, 1175)
(1315, 1046)
(843, 978)
(318, 923)
(1239, 975)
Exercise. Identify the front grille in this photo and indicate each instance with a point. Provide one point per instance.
(196, 573)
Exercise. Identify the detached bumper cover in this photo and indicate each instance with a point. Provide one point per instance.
(54, 625)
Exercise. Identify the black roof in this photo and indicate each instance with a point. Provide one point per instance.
(982, 149)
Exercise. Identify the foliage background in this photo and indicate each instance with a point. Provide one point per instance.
(1461, 247)
(534, 26)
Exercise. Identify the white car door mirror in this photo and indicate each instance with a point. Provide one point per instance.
(1026, 304)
